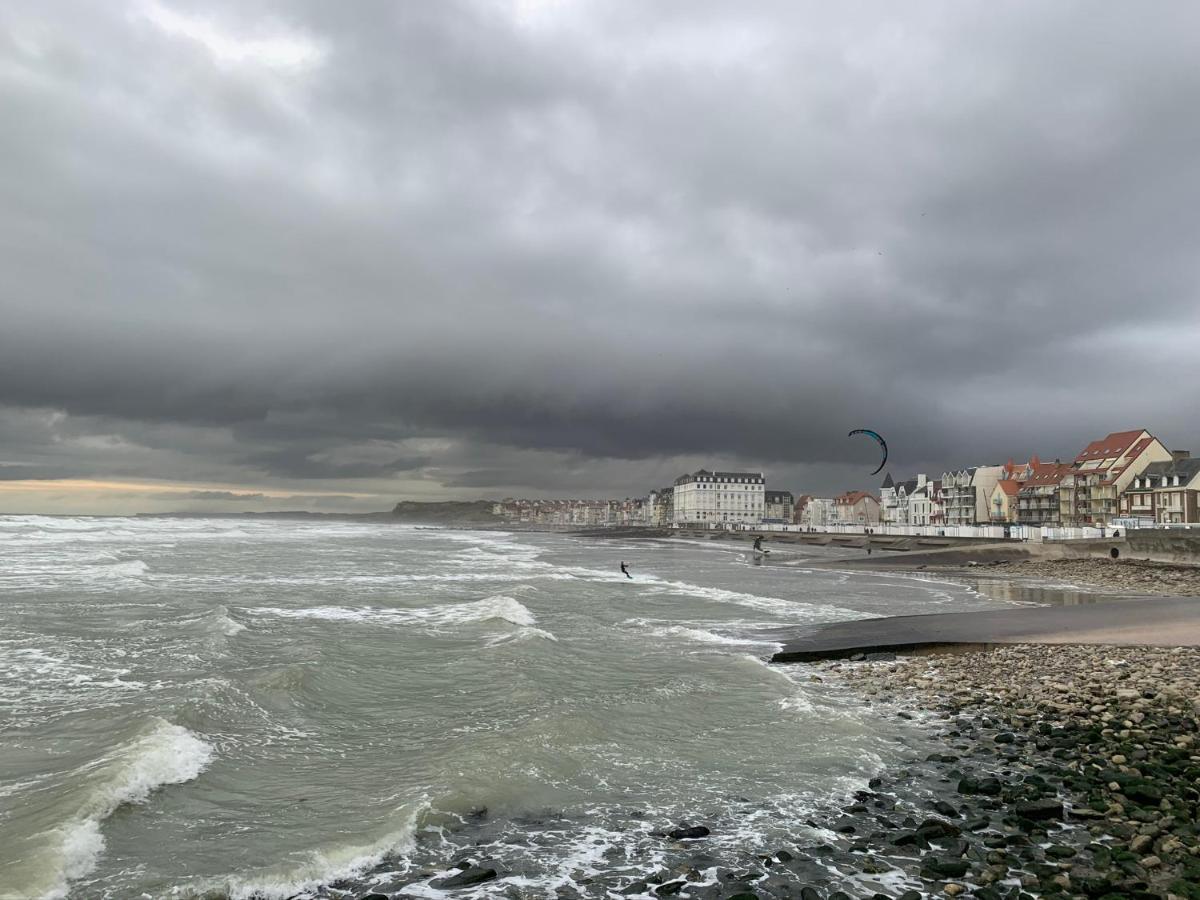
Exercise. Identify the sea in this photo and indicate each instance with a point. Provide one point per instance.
(246, 708)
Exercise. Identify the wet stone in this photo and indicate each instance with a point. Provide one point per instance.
(688, 832)
(1040, 810)
(467, 877)
(945, 868)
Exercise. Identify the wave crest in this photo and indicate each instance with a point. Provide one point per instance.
(167, 754)
(323, 865)
(498, 606)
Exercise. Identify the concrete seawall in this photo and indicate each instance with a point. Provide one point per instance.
(1181, 547)
(1157, 621)
(1166, 546)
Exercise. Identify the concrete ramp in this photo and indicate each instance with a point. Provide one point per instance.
(1153, 621)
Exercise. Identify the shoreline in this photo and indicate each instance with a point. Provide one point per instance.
(1083, 761)
(1067, 772)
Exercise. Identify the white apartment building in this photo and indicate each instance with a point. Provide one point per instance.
(967, 493)
(815, 512)
(720, 498)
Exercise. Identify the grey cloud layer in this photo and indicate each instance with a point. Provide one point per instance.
(604, 234)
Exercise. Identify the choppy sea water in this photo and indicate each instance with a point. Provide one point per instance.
(267, 708)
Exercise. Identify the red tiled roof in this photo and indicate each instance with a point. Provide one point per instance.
(1107, 476)
(1041, 468)
(1010, 486)
(851, 497)
(1114, 445)
(1047, 474)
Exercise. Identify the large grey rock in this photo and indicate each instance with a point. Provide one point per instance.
(466, 878)
(1040, 810)
(688, 832)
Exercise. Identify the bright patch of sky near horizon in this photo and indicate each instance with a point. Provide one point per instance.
(342, 255)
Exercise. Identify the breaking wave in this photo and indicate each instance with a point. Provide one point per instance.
(497, 607)
(322, 866)
(167, 754)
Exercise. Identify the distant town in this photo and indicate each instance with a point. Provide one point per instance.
(1128, 478)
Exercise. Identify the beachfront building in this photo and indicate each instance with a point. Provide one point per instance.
(896, 500)
(1167, 492)
(1003, 502)
(1090, 490)
(1037, 498)
(778, 506)
(959, 497)
(661, 507)
(913, 491)
(890, 512)
(925, 503)
(720, 498)
(856, 508)
(968, 493)
(814, 512)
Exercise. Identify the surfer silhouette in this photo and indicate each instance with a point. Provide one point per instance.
(625, 570)
(758, 542)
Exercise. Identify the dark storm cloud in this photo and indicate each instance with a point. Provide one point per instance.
(510, 245)
(285, 464)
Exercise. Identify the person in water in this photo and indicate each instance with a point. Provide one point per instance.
(758, 542)
(625, 570)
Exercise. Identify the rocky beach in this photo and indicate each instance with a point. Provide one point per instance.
(1133, 575)
(1067, 771)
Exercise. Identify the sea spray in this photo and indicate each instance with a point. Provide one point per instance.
(165, 754)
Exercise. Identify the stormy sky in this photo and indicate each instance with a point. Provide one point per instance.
(314, 255)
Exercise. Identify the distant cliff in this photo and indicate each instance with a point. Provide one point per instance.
(446, 513)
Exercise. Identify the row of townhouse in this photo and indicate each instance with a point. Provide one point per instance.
(850, 508)
(1125, 475)
(699, 498)
(1092, 488)
(917, 501)
(630, 511)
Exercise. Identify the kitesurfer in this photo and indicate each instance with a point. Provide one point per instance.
(758, 543)
(625, 570)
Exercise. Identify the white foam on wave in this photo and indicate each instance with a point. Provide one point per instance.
(693, 633)
(523, 633)
(498, 606)
(226, 625)
(218, 621)
(133, 568)
(167, 754)
(322, 865)
(776, 605)
(33, 678)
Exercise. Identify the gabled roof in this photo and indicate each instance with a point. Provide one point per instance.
(887, 481)
(1115, 445)
(1046, 475)
(851, 497)
(1186, 469)
(1010, 486)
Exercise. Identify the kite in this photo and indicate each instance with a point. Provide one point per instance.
(882, 443)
